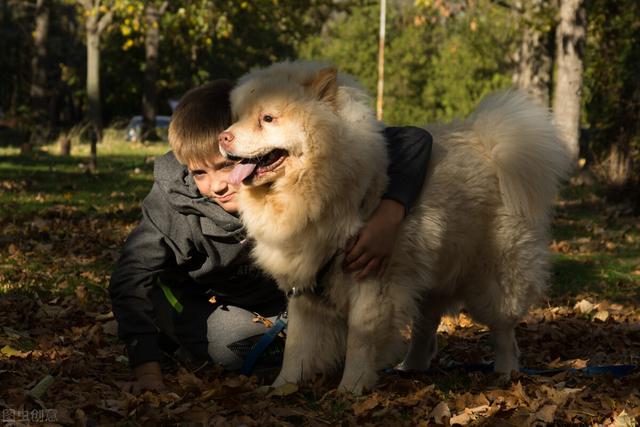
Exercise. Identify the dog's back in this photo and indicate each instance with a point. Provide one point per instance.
(479, 234)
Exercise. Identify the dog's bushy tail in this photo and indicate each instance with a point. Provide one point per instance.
(524, 146)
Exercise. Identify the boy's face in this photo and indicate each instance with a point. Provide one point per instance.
(211, 179)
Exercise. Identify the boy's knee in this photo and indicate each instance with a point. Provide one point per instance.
(232, 333)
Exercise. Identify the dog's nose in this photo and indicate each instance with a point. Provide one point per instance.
(224, 139)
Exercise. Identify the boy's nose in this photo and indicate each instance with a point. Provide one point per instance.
(224, 139)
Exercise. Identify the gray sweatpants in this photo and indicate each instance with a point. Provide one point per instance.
(220, 333)
(231, 332)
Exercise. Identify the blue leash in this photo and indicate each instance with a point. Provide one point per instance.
(617, 371)
(261, 346)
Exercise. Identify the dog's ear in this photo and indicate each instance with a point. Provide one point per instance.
(325, 85)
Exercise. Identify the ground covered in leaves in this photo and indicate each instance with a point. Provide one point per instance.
(61, 363)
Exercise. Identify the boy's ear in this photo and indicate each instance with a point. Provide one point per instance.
(324, 85)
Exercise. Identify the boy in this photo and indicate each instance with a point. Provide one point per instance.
(185, 277)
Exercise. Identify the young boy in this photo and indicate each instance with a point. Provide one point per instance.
(185, 278)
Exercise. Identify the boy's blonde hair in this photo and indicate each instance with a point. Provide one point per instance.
(200, 116)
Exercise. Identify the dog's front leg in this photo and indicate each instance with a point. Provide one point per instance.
(315, 341)
(368, 326)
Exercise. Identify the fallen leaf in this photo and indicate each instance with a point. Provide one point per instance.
(579, 363)
(43, 247)
(584, 307)
(188, 381)
(520, 417)
(547, 413)
(461, 419)
(519, 393)
(440, 413)
(465, 321)
(40, 224)
(623, 419)
(562, 246)
(469, 400)
(80, 417)
(101, 317)
(234, 382)
(602, 315)
(110, 328)
(151, 398)
(479, 409)
(285, 389)
(9, 351)
(41, 387)
(360, 408)
(119, 407)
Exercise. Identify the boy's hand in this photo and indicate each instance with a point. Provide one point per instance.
(369, 252)
(148, 377)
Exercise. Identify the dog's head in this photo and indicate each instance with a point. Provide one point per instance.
(310, 152)
(281, 113)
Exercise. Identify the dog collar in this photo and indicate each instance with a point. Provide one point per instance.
(318, 288)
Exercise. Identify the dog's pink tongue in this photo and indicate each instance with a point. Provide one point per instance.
(240, 172)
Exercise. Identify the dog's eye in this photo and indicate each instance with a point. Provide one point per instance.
(267, 118)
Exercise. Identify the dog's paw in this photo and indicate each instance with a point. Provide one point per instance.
(279, 381)
(356, 390)
(406, 366)
(498, 379)
(358, 385)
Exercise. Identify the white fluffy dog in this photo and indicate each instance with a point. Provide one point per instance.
(314, 168)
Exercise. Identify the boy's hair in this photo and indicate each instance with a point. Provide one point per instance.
(200, 116)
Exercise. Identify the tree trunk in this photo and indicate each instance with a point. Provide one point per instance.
(381, 43)
(570, 42)
(618, 165)
(38, 91)
(93, 86)
(151, 45)
(65, 144)
(40, 41)
(534, 58)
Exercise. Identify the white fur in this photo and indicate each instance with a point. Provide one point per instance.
(477, 237)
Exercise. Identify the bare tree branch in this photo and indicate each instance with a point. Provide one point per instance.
(105, 20)
(503, 3)
(163, 7)
(87, 4)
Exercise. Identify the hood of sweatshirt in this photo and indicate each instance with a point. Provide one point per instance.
(181, 192)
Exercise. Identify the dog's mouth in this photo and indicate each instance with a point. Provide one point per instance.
(249, 168)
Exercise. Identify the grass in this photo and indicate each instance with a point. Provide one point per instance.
(596, 250)
(62, 226)
(43, 179)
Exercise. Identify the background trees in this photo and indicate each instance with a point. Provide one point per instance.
(97, 16)
(611, 98)
(534, 56)
(39, 66)
(441, 56)
(570, 41)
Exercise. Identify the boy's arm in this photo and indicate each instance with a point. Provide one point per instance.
(144, 256)
(409, 150)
